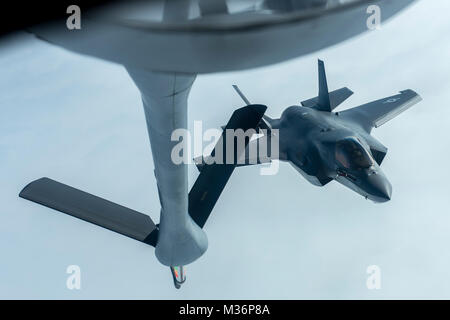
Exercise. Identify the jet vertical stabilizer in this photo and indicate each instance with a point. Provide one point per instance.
(324, 97)
(327, 101)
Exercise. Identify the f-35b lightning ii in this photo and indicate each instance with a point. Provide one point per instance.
(324, 145)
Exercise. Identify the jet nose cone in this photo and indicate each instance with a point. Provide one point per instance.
(380, 189)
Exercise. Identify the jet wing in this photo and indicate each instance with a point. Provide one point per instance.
(377, 113)
(92, 209)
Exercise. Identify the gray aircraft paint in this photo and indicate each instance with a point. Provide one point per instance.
(316, 141)
(308, 138)
(139, 36)
(164, 96)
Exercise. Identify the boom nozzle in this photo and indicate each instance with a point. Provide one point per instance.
(178, 275)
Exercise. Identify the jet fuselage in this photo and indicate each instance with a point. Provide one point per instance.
(324, 146)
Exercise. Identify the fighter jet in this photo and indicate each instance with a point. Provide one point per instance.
(323, 145)
(164, 44)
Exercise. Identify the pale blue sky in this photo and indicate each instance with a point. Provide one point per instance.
(80, 121)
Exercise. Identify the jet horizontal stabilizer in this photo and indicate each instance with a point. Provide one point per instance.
(336, 98)
(93, 209)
